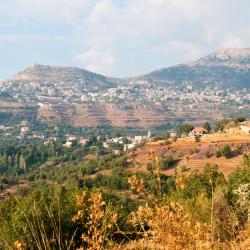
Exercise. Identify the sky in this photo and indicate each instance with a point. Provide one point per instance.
(118, 37)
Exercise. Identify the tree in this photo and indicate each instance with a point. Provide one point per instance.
(240, 119)
(185, 128)
(22, 162)
(207, 126)
(221, 125)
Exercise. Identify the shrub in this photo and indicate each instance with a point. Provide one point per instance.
(166, 162)
(207, 126)
(240, 119)
(150, 167)
(95, 219)
(221, 125)
(226, 151)
(207, 154)
(194, 150)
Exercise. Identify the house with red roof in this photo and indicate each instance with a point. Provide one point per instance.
(198, 131)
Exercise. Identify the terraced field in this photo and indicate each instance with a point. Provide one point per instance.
(195, 155)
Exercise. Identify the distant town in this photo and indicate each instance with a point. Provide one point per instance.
(136, 92)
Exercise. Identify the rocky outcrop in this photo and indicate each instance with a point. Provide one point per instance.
(225, 68)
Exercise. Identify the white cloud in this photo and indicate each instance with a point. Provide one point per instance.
(171, 27)
(188, 50)
(65, 11)
(147, 33)
(99, 61)
(31, 39)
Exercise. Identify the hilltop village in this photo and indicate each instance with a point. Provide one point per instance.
(133, 92)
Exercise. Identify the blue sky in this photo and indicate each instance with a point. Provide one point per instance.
(117, 37)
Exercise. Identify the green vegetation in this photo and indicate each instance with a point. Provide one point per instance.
(184, 129)
(46, 204)
(240, 119)
(167, 162)
(49, 205)
(207, 126)
(87, 196)
(221, 125)
(225, 151)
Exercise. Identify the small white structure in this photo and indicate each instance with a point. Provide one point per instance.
(71, 138)
(172, 134)
(105, 145)
(129, 146)
(138, 139)
(68, 144)
(24, 129)
(245, 127)
(117, 152)
(24, 123)
(149, 134)
(83, 141)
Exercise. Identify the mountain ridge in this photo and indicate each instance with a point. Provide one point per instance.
(225, 68)
(214, 66)
(209, 88)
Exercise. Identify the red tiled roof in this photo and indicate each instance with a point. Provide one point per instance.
(199, 130)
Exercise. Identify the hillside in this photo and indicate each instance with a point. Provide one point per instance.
(53, 74)
(229, 68)
(213, 87)
(194, 156)
(117, 115)
(114, 201)
(225, 68)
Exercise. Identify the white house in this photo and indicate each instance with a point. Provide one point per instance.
(129, 146)
(245, 127)
(24, 129)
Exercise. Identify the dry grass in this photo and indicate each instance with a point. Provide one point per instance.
(181, 149)
(170, 227)
(163, 224)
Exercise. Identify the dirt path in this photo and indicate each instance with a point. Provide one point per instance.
(13, 189)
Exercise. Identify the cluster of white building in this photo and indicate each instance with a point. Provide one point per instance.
(127, 142)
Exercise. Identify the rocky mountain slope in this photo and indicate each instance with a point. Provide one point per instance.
(225, 68)
(41, 73)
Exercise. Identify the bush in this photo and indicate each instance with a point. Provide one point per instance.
(221, 125)
(207, 126)
(218, 154)
(150, 167)
(166, 162)
(240, 119)
(207, 154)
(194, 151)
(226, 151)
